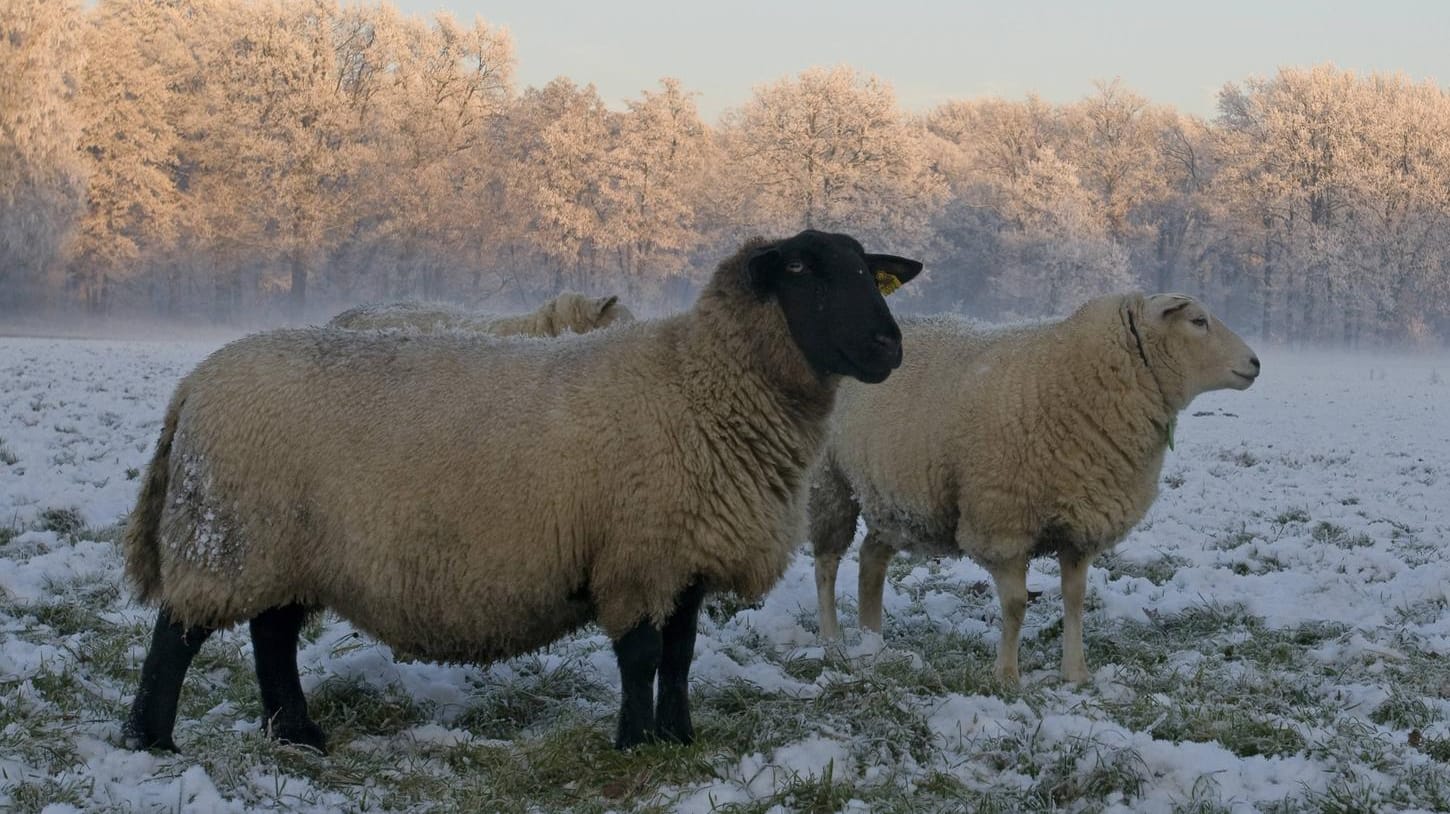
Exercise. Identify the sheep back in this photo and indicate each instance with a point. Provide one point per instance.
(569, 312)
(415, 316)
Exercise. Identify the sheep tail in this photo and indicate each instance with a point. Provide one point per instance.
(140, 543)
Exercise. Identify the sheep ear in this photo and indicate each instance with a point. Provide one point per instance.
(603, 304)
(1165, 305)
(763, 266)
(891, 272)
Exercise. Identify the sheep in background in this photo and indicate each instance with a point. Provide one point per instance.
(1005, 445)
(467, 498)
(568, 312)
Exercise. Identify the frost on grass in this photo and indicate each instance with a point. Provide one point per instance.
(1272, 638)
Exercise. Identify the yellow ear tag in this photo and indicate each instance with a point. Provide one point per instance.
(887, 283)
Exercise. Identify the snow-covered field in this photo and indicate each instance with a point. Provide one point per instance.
(1273, 637)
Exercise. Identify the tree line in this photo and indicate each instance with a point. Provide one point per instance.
(237, 159)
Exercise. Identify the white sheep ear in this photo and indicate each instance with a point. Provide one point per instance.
(1165, 305)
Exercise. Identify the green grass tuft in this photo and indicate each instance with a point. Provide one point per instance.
(348, 708)
(1403, 711)
(538, 697)
(63, 521)
(1157, 571)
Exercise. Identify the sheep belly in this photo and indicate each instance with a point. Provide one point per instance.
(923, 533)
(211, 577)
(463, 632)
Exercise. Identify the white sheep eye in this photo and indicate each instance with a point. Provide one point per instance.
(795, 267)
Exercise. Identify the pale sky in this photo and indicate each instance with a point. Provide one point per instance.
(1175, 53)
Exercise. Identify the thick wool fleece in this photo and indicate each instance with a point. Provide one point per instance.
(1063, 448)
(469, 498)
(569, 312)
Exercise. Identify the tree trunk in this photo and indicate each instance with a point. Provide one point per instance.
(1165, 270)
(1266, 319)
(297, 297)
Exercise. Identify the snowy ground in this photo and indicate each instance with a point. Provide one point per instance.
(1272, 638)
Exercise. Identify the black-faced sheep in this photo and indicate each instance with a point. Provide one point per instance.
(1005, 445)
(569, 312)
(468, 498)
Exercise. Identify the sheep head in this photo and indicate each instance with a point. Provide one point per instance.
(830, 292)
(572, 311)
(1191, 351)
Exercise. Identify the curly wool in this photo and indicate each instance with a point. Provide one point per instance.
(465, 497)
(1063, 448)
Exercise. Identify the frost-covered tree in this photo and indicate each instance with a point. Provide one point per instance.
(651, 201)
(1113, 142)
(1061, 252)
(559, 139)
(830, 149)
(1395, 264)
(1281, 146)
(1335, 187)
(233, 156)
(134, 210)
(1176, 248)
(282, 167)
(41, 173)
(446, 85)
(1037, 239)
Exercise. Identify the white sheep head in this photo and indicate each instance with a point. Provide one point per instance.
(575, 312)
(1190, 350)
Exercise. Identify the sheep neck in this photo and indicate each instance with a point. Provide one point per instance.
(745, 363)
(1168, 424)
(759, 358)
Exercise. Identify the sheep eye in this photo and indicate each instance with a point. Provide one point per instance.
(795, 267)
(1201, 322)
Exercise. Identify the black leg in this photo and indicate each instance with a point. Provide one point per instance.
(672, 715)
(274, 646)
(153, 713)
(638, 652)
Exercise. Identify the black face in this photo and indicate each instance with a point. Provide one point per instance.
(829, 289)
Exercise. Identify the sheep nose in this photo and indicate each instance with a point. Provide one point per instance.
(887, 342)
(1254, 360)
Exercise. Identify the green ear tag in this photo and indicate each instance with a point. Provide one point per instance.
(887, 283)
(1172, 426)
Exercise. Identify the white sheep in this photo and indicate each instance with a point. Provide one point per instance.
(1009, 444)
(569, 312)
(468, 498)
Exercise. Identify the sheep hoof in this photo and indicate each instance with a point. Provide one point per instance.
(135, 738)
(1076, 675)
(1006, 675)
(137, 743)
(299, 733)
(682, 733)
(626, 741)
